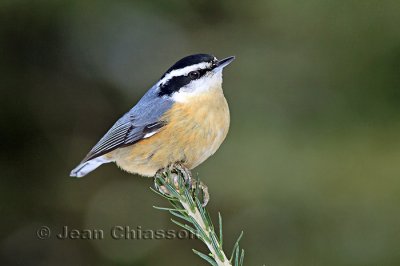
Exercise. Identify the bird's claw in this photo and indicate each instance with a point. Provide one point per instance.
(197, 184)
(193, 184)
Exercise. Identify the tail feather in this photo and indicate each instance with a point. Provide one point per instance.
(88, 166)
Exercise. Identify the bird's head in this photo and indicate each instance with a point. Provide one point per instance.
(191, 76)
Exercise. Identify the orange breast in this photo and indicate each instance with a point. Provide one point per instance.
(194, 131)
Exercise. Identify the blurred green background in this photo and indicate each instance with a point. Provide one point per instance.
(310, 167)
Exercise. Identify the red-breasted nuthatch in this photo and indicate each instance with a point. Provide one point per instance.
(183, 118)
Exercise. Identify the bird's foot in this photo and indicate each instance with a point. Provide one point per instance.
(186, 173)
(199, 185)
(173, 172)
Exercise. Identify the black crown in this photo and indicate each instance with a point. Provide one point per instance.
(191, 60)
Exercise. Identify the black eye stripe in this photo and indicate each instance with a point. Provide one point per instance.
(173, 85)
(176, 83)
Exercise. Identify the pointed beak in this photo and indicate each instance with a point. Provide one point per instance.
(219, 65)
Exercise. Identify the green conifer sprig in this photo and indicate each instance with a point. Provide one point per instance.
(191, 215)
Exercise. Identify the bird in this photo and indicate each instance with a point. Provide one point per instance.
(183, 118)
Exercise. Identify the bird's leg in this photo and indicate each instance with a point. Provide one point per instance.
(171, 175)
(187, 175)
(197, 184)
(193, 184)
(161, 173)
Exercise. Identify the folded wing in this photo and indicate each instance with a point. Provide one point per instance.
(142, 121)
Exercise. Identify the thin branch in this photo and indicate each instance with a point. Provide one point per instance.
(186, 203)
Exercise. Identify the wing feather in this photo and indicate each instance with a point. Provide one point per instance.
(142, 121)
(114, 138)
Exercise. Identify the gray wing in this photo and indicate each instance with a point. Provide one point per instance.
(143, 119)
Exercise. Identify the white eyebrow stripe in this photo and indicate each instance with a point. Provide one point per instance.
(184, 71)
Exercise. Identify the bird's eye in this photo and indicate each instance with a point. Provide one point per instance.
(194, 75)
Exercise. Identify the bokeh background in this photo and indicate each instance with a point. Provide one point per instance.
(309, 170)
